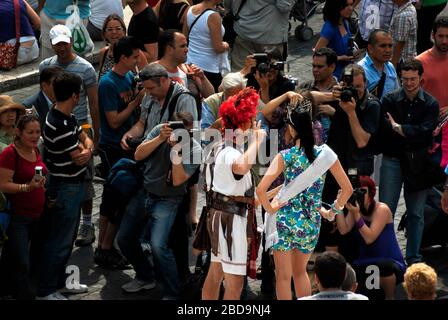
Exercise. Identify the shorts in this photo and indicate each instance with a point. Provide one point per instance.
(238, 264)
(89, 190)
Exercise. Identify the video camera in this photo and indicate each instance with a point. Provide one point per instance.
(358, 192)
(348, 90)
(264, 64)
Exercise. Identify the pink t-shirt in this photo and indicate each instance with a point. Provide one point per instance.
(434, 82)
(30, 204)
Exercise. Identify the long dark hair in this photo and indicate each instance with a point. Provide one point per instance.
(332, 10)
(301, 122)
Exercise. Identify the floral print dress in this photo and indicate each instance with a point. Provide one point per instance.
(298, 222)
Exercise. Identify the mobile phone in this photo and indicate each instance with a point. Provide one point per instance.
(38, 173)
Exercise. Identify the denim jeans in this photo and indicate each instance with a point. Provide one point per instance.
(390, 188)
(132, 225)
(15, 259)
(60, 221)
(161, 213)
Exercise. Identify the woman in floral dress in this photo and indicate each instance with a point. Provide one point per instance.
(298, 220)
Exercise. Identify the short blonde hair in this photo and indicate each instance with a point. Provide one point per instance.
(420, 282)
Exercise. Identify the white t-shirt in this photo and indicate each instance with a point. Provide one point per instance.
(102, 8)
(335, 295)
(223, 180)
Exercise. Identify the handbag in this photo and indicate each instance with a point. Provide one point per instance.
(228, 20)
(9, 52)
(201, 241)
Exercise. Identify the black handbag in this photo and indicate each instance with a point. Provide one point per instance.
(228, 20)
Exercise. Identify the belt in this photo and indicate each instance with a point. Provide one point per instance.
(229, 204)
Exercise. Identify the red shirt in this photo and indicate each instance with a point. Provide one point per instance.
(31, 203)
(152, 3)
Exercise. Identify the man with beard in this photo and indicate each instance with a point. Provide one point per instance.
(412, 116)
(435, 63)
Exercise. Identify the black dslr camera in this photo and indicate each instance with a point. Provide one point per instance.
(264, 64)
(348, 91)
(358, 192)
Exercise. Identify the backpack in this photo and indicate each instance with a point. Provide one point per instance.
(125, 177)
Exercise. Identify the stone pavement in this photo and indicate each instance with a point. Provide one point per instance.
(106, 284)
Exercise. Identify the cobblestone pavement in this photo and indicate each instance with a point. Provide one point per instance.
(106, 284)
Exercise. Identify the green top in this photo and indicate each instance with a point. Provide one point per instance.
(430, 3)
(5, 139)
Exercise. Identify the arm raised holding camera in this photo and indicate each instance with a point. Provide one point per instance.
(156, 137)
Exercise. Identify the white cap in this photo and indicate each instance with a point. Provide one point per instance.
(60, 33)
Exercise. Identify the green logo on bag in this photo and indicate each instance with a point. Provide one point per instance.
(79, 40)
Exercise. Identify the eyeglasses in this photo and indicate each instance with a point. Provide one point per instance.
(117, 29)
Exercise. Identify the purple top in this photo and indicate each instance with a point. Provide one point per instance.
(7, 21)
(384, 247)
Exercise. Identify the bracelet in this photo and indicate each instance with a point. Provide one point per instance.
(335, 210)
(360, 223)
(23, 187)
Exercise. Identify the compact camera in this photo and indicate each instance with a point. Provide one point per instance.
(348, 91)
(176, 125)
(264, 64)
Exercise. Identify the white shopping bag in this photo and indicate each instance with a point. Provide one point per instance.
(82, 43)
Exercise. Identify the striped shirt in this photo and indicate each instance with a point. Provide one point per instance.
(85, 70)
(403, 28)
(375, 14)
(61, 136)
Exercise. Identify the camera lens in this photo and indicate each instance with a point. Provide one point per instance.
(346, 95)
(263, 68)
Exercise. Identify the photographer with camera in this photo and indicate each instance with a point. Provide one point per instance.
(161, 92)
(375, 236)
(354, 123)
(264, 71)
(168, 167)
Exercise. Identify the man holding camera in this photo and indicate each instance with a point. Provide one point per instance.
(251, 27)
(118, 101)
(355, 121)
(264, 72)
(170, 162)
(412, 116)
(160, 91)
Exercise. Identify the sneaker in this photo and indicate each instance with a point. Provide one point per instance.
(53, 296)
(86, 235)
(79, 288)
(137, 285)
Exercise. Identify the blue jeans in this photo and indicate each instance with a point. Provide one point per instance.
(15, 258)
(391, 181)
(162, 213)
(61, 221)
(131, 228)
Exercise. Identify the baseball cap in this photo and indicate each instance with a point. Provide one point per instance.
(60, 33)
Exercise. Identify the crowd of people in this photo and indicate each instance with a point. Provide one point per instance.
(177, 104)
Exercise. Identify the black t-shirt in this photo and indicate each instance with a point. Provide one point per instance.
(145, 26)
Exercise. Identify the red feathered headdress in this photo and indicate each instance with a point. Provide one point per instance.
(239, 109)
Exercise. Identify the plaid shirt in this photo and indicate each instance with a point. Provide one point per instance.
(403, 27)
(375, 14)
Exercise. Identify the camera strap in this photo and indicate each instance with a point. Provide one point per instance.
(196, 20)
(165, 102)
(378, 90)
